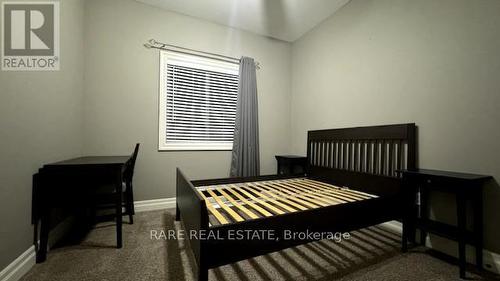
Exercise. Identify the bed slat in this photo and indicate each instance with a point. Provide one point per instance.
(262, 202)
(275, 199)
(363, 194)
(213, 211)
(332, 192)
(249, 203)
(226, 208)
(297, 198)
(317, 195)
(337, 191)
(236, 204)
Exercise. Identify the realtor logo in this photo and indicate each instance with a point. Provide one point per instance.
(30, 36)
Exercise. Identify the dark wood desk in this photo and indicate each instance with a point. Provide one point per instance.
(63, 183)
(464, 187)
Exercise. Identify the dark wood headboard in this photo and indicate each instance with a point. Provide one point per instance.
(363, 158)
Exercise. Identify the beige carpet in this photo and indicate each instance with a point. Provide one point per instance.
(370, 254)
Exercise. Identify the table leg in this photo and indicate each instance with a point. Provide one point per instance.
(412, 214)
(404, 235)
(461, 223)
(118, 202)
(478, 227)
(409, 214)
(406, 209)
(44, 216)
(41, 255)
(424, 213)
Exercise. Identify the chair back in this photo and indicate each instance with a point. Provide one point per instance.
(129, 169)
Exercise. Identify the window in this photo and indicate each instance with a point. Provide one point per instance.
(197, 102)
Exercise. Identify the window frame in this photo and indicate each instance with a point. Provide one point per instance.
(193, 61)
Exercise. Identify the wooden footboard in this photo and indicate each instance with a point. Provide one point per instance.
(192, 211)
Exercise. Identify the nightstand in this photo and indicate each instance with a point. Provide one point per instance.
(465, 187)
(291, 164)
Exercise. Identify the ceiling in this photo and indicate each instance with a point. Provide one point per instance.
(287, 20)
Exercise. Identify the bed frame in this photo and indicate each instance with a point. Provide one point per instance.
(364, 159)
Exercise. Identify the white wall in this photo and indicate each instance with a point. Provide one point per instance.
(436, 63)
(121, 89)
(40, 122)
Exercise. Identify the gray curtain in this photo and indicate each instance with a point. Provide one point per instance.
(245, 156)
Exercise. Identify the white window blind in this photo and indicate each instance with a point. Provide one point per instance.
(197, 102)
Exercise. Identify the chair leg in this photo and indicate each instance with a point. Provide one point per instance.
(130, 203)
(130, 214)
(118, 206)
(132, 198)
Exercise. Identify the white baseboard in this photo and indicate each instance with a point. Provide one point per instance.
(491, 260)
(155, 204)
(16, 269)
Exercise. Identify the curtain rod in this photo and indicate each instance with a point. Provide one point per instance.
(153, 44)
